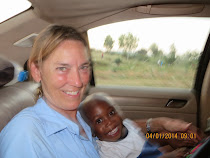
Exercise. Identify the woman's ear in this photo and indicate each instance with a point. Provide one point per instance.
(35, 72)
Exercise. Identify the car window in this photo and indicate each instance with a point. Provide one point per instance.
(10, 8)
(158, 52)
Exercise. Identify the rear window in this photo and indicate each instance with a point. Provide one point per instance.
(159, 52)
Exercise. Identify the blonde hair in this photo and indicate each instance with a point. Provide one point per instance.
(47, 41)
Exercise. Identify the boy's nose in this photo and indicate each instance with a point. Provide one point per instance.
(108, 122)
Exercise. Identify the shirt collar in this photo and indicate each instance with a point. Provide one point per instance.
(54, 122)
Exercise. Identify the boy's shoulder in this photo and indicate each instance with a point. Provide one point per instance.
(128, 123)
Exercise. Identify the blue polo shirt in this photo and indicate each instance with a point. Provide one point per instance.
(40, 131)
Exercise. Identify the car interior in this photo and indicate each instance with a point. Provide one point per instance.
(137, 102)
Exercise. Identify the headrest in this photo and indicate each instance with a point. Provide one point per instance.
(11, 72)
(14, 98)
(6, 71)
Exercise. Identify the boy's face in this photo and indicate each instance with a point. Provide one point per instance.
(105, 122)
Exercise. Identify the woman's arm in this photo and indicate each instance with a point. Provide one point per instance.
(163, 125)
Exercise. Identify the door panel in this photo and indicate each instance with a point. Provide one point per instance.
(205, 100)
(142, 103)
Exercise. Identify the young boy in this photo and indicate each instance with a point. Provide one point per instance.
(118, 138)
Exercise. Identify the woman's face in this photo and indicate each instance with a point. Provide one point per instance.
(64, 76)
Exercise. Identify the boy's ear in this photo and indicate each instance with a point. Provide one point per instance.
(93, 134)
(35, 72)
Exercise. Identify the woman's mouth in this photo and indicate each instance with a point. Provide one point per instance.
(72, 93)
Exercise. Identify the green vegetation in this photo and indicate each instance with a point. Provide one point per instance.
(128, 42)
(108, 43)
(138, 68)
(141, 70)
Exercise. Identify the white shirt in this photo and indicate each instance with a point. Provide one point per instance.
(129, 147)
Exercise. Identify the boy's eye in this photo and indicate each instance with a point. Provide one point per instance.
(112, 112)
(98, 121)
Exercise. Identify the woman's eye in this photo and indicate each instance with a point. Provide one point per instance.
(62, 68)
(98, 121)
(85, 67)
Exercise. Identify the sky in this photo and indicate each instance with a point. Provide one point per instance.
(9, 8)
(188, 34)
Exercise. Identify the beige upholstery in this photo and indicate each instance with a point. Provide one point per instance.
(14, 98)
(205, 99)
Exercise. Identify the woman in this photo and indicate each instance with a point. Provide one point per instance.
(60, 61)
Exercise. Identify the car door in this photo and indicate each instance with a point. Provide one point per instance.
(140, 102)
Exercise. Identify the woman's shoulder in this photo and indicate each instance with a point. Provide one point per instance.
(23, 131)
(26, 115)
(24, 122)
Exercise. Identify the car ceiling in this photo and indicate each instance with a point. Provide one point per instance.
(86, 14)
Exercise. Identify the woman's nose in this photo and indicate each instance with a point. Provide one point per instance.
(75, 78)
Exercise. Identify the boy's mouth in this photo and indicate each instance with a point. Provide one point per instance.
(114, 131)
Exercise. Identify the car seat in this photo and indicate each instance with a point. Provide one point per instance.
(14, 98)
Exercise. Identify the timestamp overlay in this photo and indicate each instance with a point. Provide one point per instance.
(171, 135)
